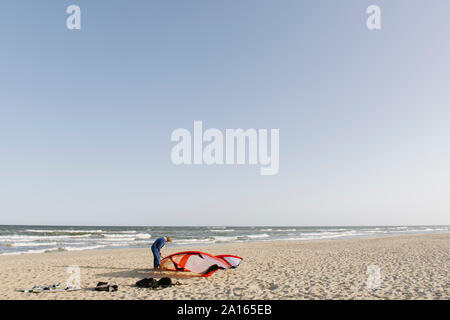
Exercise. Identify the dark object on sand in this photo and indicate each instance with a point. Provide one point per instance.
(212, 269)
(147, 283)
(53, 288)
(156, 284)
(164, 282)
(104, 286)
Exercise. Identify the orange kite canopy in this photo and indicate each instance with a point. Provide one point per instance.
(199, 262)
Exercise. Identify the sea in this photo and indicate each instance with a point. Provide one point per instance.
(38, 239)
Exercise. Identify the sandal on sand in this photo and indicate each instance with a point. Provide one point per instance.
(53, 288)
(35, 289)
(104, 286)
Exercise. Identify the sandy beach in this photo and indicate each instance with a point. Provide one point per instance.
(411, 267)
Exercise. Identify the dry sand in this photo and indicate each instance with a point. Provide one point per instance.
(411, 267)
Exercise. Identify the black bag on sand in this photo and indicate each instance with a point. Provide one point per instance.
(165, 282)
(147, 283)
(104, 286)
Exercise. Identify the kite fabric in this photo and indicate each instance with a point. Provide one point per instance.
(202, 263)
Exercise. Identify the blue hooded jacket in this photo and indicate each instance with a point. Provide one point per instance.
(159, 243)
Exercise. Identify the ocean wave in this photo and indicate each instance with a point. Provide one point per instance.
(191, 240)
(256, 236)
(21, 252)
(82, 248)
(376, 231)
(19, 240)
(225, 239)
(116, 244)
(31, 244)
(63, 231)
(143, 236)
(317, 233)
(33, 251)
(126, 231)
(114, 235)
(119, 237)
(295, 239)
(16, 238)
(413, 230)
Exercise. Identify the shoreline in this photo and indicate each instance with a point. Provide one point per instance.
(411, 267)
(380, 236)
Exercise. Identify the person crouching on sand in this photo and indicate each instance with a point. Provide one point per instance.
(156, 249)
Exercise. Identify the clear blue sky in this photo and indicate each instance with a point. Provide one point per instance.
(86, 116)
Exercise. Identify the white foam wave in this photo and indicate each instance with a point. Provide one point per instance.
(225, 239)
(24, 252)
(17, 238)
(116, 244)
(118, 239)
(193, 241)
(256, 236)
(63, 231)
(126, 231)
(83, 248)
(143, 236)
(32, 244)
(114, 235)
(129, 237)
